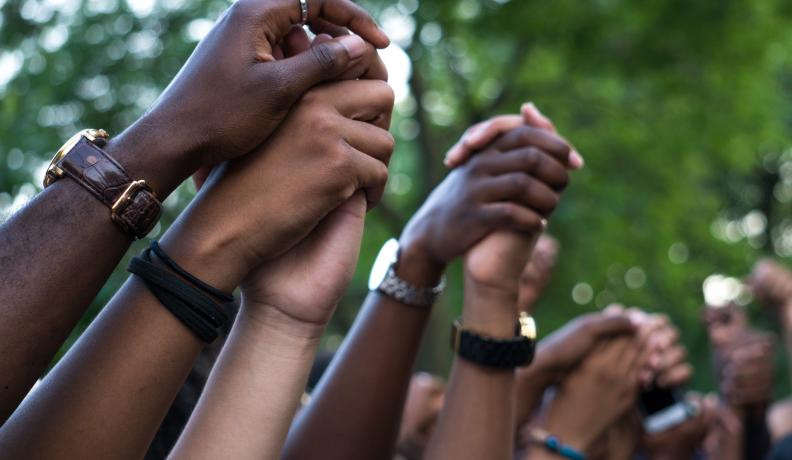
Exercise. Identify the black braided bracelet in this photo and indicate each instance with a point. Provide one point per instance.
(194, 308)
(224, 296)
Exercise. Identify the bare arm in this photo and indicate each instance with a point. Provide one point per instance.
(55, 255)
(110, 392)
(478, 417)
(255, 388)
(355, 411)
(67, 228)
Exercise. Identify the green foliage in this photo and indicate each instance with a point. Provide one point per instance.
(678, 107)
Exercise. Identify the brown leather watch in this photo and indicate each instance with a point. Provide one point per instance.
(133, 205)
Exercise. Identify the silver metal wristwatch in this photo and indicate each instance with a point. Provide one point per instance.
(383, 279)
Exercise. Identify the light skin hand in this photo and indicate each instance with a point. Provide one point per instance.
(344, 152)
(368, 66)
(232, 93)
(286, 305)
(219, 244)
(225, 101)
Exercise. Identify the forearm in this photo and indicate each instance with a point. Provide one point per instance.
(531, 382)
(254, 389)
(55, 255)
(108, 395)
(477, 420)
(106, 398)
(356, 410)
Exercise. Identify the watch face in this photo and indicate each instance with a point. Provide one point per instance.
(386, 258)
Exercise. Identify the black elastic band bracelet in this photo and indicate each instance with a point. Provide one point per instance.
(224, 296)
(195, 309)
(203, 304)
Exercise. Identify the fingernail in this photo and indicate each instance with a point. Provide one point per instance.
(354, 45)
(544, 224)
(575, 160)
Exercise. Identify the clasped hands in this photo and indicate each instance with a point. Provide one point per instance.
(294, 133)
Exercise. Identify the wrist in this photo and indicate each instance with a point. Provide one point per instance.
(489, 311)
(274, 321)
(147, 152)
(205, 255)
(416, 265)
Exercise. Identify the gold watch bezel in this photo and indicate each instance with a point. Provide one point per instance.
(53, 171)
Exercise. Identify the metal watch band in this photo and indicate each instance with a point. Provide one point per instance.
(133, 206)
(499, 353)
(406, 293)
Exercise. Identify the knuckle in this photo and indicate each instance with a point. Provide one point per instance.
(381, 176)
(531, 159)
(383, 92)
(563, 180)
(324, 56)
(388, 141)
(324, 126)
(552, 203)
(241, 10)
(520, 182)
(477, 165)
(505, 214)
(340, 158)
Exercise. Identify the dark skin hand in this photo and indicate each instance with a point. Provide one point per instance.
(748, 371)
(136, 347)
(347, 418)
(66, 227)
(594, 395)
(559, 353)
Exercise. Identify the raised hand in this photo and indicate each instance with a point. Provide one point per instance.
(593, 396)
(232, 92)
(561, 351)
(303, 286)
(664, 358)
(514, 189)
(748, 370)
(256, 208)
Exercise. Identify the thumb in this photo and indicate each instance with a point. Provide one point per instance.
(320, 63)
